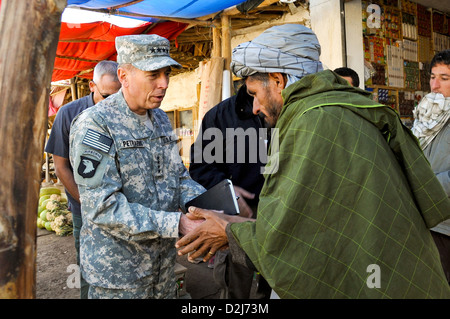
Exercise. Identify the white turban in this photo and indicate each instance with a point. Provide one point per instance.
(292, 49)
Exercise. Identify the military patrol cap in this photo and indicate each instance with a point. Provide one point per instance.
(147, 52)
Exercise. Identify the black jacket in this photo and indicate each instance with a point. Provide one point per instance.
(233, 113)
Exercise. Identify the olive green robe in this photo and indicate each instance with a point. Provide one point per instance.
(348, 211)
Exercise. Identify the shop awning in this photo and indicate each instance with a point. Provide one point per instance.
(82, 45)
(187, 9)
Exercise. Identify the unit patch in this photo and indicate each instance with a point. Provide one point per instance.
(94, 154)
(87, 167)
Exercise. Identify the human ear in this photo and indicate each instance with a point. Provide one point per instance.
(279, 79)
(91, 86)
(122, 74)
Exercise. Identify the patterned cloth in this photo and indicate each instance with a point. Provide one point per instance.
(132, 183)
(147, 52)
(353, 191)
(291, 48)
(430, 117)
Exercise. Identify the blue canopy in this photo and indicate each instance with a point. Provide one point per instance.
(187, 9)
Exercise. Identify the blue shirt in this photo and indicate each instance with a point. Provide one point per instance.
(58, 142)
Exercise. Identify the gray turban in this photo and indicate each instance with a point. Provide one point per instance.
(292, 49)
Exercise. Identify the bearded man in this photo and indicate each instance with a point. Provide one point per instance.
(348, 211)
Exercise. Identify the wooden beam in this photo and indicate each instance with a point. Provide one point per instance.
(73, 88)
(270, 8)
(76, 59)
(29, 33)
(137, 15)
(127, 4)
(256, 17)
(83, 41)
(85, 71)
(233, 10)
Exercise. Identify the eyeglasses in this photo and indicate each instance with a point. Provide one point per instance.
(104, 95)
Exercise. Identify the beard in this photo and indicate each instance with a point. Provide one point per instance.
(273, 111)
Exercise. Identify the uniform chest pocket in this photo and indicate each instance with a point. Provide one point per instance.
(134, 166)
(150, 170)
(167, 163)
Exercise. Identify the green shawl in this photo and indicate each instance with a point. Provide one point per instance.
(352, 190)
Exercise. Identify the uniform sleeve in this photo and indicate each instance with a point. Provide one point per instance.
(102, 201)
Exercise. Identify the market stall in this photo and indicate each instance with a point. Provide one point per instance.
(400, 39)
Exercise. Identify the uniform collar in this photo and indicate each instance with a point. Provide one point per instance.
(137, 128)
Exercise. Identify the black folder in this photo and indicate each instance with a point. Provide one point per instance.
(219, 197)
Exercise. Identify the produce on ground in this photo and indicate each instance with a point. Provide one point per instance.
(53, 213)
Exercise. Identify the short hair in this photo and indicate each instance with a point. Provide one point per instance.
(442, 57)
(348, 72)
(259, 76)
(105, 67)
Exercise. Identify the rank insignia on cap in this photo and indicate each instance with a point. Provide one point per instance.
(87, 167)
(97, 141)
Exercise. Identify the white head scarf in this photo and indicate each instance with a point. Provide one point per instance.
(430, 116)
(292, 49)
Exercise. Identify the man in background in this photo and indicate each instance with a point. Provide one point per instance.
(432, 128)
(103, 84)
(244, 169)
(348, 74)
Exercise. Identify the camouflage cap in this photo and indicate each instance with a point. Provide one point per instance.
(147, 52)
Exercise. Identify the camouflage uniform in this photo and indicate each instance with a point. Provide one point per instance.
(132, 183)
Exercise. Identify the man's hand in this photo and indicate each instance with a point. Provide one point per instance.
(207, 238)
(188, 224)
(244, 209)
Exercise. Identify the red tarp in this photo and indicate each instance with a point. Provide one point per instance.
(71, 56)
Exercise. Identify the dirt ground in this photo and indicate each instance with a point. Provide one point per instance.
(56, 263)
(54, 255)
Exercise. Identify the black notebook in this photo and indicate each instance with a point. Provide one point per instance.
(219, 197)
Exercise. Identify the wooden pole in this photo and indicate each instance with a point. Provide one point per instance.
(226, 40)
(29, 31)
(73, 88)
(216, 46)
(226, 45)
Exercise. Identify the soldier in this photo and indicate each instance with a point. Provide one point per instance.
(131, 179)
(103, 84)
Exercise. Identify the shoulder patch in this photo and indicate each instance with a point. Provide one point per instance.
(87, 167)
(97, 140)
(91, 153)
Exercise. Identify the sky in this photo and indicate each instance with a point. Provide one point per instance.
(71, 15)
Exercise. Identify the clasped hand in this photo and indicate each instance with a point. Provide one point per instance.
(207, 237)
